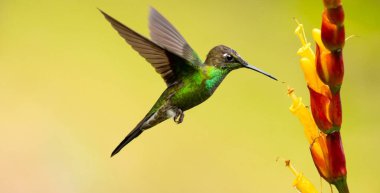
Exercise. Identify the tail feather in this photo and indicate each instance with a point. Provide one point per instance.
(132, 135)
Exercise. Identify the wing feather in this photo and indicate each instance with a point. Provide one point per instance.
(154, 54)
(171, 57)
(164, 34)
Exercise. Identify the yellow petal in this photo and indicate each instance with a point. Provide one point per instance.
(305, 117)
(310, 74)
(307, 61)
(317, 38)
(303, 184)
(319, 152)
(323, 50)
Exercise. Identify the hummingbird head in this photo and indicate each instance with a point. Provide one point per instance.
(226, 58)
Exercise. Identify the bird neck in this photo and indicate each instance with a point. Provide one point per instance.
(214, 77)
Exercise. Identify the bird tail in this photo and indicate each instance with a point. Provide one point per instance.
(132, 135)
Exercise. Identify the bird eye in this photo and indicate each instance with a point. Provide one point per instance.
(228, 57)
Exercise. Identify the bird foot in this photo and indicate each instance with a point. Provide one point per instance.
(178, 118)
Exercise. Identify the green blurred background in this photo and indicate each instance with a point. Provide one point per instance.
(71, 89)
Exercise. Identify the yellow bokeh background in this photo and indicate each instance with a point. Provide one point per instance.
(71, 89)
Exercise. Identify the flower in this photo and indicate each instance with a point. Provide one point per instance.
(333, 34)
(325, 104)
(326, 149)
(329, 64)
(316, 139)
(302, 184)
(307, 62)
(324, 72)
(304, 116)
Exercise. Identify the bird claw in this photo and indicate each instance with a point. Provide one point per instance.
(178, 118)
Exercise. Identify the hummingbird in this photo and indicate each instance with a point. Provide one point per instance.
(189, 80)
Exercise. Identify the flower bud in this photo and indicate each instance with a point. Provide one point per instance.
(335, 110)
(328, 156)
(336, 15)
(330, 68)
(333, 36)
(331, 3)
(319, 152)
(336, 159)
(320, 109)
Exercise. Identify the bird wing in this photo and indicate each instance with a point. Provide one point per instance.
(169, 65)
(164, 34)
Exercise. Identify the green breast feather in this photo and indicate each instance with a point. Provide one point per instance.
(198, 87)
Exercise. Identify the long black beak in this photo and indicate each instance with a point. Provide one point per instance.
(258, 70)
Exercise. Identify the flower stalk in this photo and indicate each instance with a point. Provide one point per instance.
(324, 73)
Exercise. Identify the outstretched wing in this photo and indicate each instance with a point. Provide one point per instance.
(170, 66)
(164, 34)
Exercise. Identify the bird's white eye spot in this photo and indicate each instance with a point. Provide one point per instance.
(228, 57)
